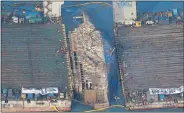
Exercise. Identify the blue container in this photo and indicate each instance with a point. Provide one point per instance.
(29, 96)
(37, 96)
(50, 95)
(175, 12)
(5, 91)
(17, 96)
(162, 97)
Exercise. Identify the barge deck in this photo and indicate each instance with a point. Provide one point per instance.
(34, 56)
(151, 65)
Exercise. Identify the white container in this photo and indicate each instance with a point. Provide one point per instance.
(149, 22)
(21, 20)
(15, 19)
(130, 22)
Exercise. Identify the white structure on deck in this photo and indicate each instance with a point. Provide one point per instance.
(124, 11)
(52, 8)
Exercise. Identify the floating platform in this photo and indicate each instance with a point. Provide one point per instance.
(33, 56)
(151, 58)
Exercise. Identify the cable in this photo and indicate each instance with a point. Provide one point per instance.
(55, 108)
(116, 106)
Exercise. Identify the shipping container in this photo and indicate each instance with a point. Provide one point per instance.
(15, 19)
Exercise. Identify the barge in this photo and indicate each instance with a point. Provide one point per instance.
(151, 66)
(34, 68)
